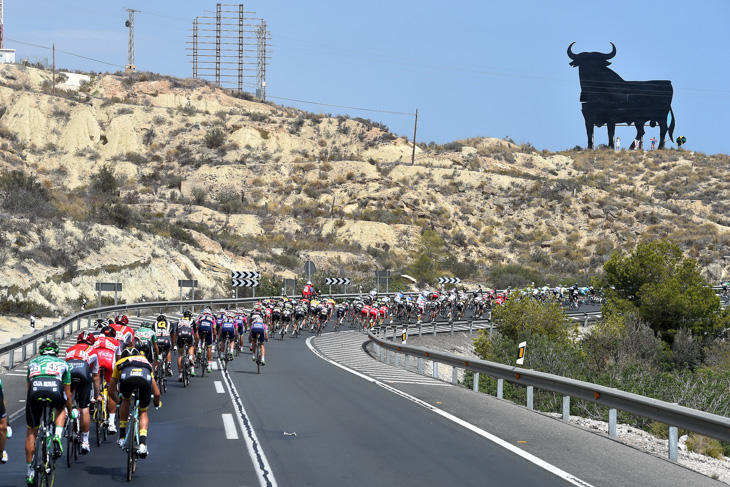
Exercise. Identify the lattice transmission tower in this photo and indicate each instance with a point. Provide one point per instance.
(130, 67)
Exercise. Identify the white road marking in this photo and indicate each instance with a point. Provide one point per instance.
(219, 387)
(229, 425)
(214, 365)
(17, 375)
(255, 452)
(499, 441)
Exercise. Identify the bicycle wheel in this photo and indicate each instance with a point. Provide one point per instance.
(69, 443)
(184, 365)
(130, 447)
(39, 462)
(98, 419)
(258, 356)
(77, 439)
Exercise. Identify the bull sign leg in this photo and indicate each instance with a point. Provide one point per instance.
(638, 143)
(611, 133)
(589, 133)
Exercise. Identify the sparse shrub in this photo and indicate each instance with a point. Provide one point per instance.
(214, 138)
(104, 182)
(125, 111)
(199, 195)
(25, 195)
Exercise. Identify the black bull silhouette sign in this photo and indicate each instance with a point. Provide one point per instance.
(607, 99)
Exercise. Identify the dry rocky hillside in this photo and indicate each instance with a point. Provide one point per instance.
(204, 182)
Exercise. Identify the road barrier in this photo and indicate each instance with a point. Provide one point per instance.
(674, 415)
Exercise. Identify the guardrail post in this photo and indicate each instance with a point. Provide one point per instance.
(420, 366)
(612, 423)
(530, 396)
(23, 353)
(491, 325)
(397, 359)
(500, 388)
(435, 370)
(420, 326)
(475, 382)
(673, 443)
(455, 376)
(566, 408)
(451, 325)
(11, 359)
(78, 324)
(407, 357)
(35, 347)
(395, 332)
(88, 322)
(63, 333)
(586, 323)
(387, 357)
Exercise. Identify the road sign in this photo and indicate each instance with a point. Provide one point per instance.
(116, 287)
(309, 268)
(245, 282)
(449, 280)
(382, 274)
(109, 286)
(245, 275)
(187, 283)
(337, 281)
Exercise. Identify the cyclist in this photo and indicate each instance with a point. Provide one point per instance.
(227, 329)
(125, 334)
(206, 328)
(258, 329)
(131, 372)
(49, 378)
(84, 364)
(108, 349)
(185, 341)
(145, 341)
(241, 323)
(3, 425)
(164, 332)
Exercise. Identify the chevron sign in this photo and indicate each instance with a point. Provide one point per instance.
(449, 280)
(245, 282)
(244, 275)
(337, 281)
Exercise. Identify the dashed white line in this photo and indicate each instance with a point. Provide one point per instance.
(229, 425)
(219, 387)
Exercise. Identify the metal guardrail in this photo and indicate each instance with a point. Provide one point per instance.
(674, 415)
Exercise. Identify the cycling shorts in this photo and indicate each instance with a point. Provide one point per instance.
(132, 378)
(228, 333)
(50, 388)
(81, 382)
(208, 336)
(185, 337)
(341, 312)
(164, 343)
(258, 333)
(106, 361)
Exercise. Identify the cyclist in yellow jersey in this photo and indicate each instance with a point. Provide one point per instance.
(133, 371)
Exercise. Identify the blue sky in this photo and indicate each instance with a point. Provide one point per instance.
(472, 68)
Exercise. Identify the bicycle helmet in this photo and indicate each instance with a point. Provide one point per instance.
(186, 314)
(108, 331)
(86, 337)
(99, 323)
(123, 320)
(164, 318)
(129, 352)
(49, 347)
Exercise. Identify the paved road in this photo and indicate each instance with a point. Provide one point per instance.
(304, 421)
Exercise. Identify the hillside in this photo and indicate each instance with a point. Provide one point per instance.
(147, 179)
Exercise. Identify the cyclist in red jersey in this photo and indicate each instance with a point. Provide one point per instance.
(125, 334)
(108, 349)
(84, 364)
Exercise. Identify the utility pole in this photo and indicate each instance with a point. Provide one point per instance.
(2, 25)
(415, 128)
(130, 67)
(53, 81)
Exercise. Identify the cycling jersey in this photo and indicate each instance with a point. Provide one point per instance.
(135, 372)
(107, 349)
(227, 329)
(185, 333)
(47, 376)
(124, 333)
(149, 339)
(83, 362)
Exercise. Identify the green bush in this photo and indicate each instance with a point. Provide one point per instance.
(25, 195)
(214, 138)
(104, 182)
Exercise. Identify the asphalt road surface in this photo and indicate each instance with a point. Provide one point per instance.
(305, 421)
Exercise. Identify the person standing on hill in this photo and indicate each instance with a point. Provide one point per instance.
(618, 144)
(653, 142)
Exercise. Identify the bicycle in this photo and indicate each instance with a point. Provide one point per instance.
(282, 332)
(73, 437)
(226, 354)
(161, 375)
(131, 442)
(201, 358)
(257, 354)
(44, 461)
(185, 366)
(100, 414)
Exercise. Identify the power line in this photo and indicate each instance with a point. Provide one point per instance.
(342, 106)
(65, 52)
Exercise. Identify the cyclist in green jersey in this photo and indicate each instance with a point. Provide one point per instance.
(147, 343)
(49, 378)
